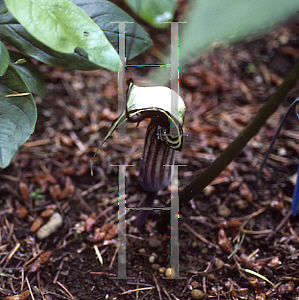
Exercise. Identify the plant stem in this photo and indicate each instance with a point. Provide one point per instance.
(236, 146)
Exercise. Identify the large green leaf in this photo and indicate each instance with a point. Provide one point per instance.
(220, 22)
(16, 35)
(64, 27)
(4, 59)
(154, 12)
(216, 23)
(30, 74)
(104, 13)
(17, 115)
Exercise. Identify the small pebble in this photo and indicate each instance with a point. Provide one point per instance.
(195, 284)
(282, 152)
(152, 258)
(156, 203)
(241, 204)
(168, 272)
(219, 263)
(258, 79)
(50, 227)
(162, 270)
(212, 277)
(194, 244)
(141, 251)
(208, 190)
(77, 85)
(156, 267)
(154, 242)
(197, 294)
(224, 211)
(204, 250)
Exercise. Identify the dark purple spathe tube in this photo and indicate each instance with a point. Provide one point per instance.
(155, 168)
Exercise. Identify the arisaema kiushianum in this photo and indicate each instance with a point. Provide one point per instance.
(164, 136)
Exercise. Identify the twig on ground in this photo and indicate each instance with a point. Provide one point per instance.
(39, 287)
(135, 290)
(29, 287)
(166, 293)
(58, 271)
(65, 289)
(293, 232)
(158, 287)
(279, 226)
(113, 258)
(200, 237)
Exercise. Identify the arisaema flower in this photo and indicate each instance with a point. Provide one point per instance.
(164, 136)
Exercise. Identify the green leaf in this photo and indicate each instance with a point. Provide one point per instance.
(4, 59)
(2, 6)
(30, 74)
(7, 18)
(216, 23)
(102, 12)
(105, 13)
(16, 35)
(62, 26)
(17, 115)
(154, 12)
